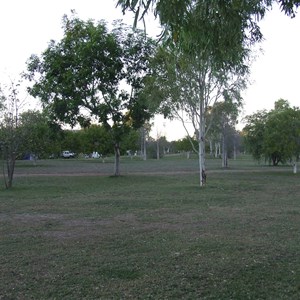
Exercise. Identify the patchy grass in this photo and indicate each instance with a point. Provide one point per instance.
(151, 235)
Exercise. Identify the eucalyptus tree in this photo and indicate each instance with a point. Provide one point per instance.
(79, 79)
(223, 118)
(206, 55)
(213, 36)
(172, 13)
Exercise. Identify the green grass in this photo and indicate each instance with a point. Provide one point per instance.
(152, 233)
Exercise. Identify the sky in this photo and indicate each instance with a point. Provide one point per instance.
(26, 27)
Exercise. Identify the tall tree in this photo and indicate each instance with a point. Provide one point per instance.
(79, 78)
(188, 84)
(218, 33)
(207, 54)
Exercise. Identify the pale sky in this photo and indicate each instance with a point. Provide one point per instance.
(26, 27)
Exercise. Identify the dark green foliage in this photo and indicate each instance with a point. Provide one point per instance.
(186, 144)
(254, 133)
(274, 135)
(175, 13)
(39, 136)
(79, 78)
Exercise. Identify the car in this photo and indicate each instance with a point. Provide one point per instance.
(68, 154)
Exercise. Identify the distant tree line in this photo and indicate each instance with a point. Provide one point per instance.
(111, 82)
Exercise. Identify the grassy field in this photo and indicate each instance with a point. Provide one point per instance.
(151, 233)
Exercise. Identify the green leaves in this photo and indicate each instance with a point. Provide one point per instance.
(275, 134)
(78, 78)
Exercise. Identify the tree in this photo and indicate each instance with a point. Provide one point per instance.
(191, 82)
(223, 118)
(71, 141)
(38, 136)
(78, 79)
(95, 138)
(173, 14)
(274, 135)
(218, 32)
(131, 142)
(207, 53)
(282, 135)
(144, 137)
(187, 144)
(10, 137)
(254, 133)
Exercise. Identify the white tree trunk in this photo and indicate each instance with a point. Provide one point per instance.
(117, 159)
(143, 144)
(295, 168)
(224, 153)
(216, 149)
(145, 149)
(201, 141)
(234, 149)
(210, 148)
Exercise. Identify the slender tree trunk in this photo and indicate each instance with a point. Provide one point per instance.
(201, 141)
(143, 143)
(157, 148)
(224, 153)
(202, 170)
(224, 144)
(145, 150)
(210, 148)
(234, 147)
(216, 149)
(295, 167)
(117, 159)
(11, 169)
(8, 175)
(188, 154)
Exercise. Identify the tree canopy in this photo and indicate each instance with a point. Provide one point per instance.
(82, 78)
(169, 12)
(274, 135)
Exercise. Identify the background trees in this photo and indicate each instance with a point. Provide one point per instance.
(39, 138)
(222, 120)
(205, 56)
(215, 38)
(274, 135)
(79, 79)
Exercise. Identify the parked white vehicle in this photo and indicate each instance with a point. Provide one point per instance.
(68, 154)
